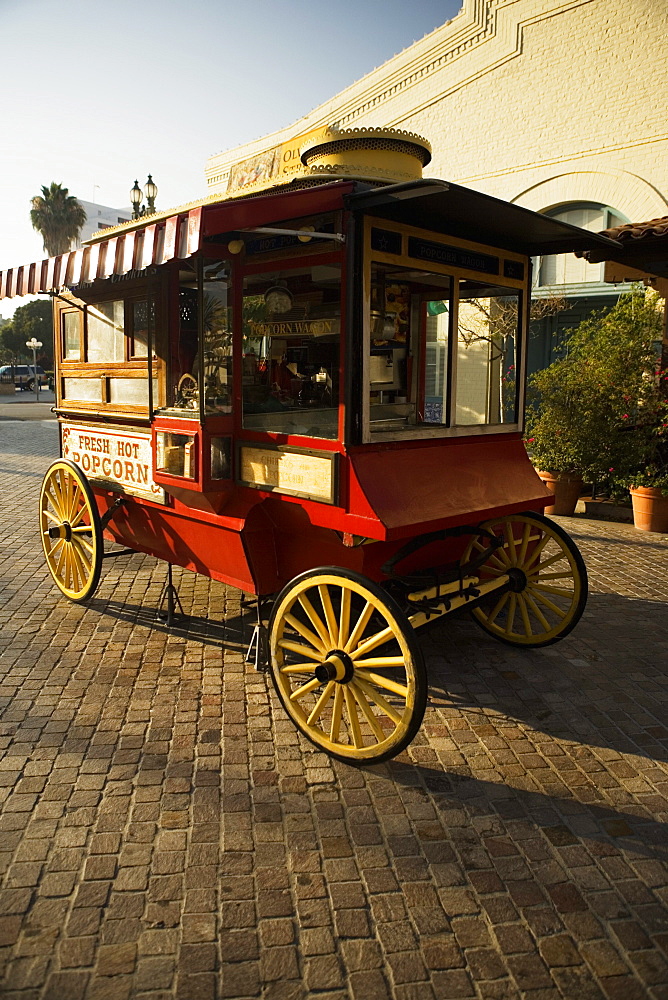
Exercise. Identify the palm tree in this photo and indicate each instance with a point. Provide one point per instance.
(58, 217)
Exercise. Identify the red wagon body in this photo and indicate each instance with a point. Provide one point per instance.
(315, 392)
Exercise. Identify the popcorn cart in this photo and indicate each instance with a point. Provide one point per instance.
(311, 388)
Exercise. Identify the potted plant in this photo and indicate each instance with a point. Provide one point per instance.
(553, 435)
(592, 410)
(648, 454)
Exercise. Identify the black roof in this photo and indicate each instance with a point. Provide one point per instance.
(459, 211)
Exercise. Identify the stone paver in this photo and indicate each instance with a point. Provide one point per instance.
(166, 833)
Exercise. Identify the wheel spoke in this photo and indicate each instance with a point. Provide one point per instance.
(566, 575)
(386, 683)
(360, 625)
(344, 617)
(548, 562)
(526, 537)
(295, 647)
(373, 641)
(82, 555)
(353, 718)
(557, 591)
(53, 501)
(535, 553)
(52, 517)
(62, 558)
(321, 703)
(511, 613)
(76, 520)
(315, 619)
(536, 610)
(528, 631)
(299, 668)
(378, 699)
(509, 532)
(330, 617)
(80, 568)
(69, 573)
(549, 604)
(488, 570)
(380, 662)
(83, 544)
(306, 633)
(300, 692)
(367, 711)
(498, 607)
(337, 710)
(75, 497)
(494, 558)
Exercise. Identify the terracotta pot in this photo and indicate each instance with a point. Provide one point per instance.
(566, 487)
(650, 508)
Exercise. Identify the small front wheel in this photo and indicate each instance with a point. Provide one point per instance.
(346, 665)
(70, 530)
(548, 581)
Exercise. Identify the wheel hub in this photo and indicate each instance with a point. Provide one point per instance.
(338, 667)
(63, 530)
(517, 579)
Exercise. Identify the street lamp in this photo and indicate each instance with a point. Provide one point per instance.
(34, 346)
(150, 192)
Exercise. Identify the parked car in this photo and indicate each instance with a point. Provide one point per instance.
(23, 375)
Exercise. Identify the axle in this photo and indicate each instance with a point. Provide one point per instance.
(456, 594)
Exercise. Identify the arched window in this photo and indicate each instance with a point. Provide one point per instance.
(565, 268)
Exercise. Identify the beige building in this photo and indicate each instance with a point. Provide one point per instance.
(556, 105)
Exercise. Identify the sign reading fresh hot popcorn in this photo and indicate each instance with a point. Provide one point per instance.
(117, 458)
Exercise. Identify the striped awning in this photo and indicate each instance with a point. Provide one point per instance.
(172, 238)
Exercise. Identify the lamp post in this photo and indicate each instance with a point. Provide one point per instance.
(150, 192)
(34, 346)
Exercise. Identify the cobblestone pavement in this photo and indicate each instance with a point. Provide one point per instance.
(166, 833)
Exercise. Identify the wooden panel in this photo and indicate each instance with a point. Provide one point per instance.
(300, 473)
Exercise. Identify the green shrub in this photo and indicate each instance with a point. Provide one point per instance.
(600, 410)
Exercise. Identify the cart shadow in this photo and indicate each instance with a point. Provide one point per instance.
(565, 822)
(602, 686)
(617, 539)
(231, 633)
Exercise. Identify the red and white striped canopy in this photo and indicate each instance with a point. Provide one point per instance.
(176, 237)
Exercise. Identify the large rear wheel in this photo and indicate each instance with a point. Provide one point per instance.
(70, 530)
(346, 665)
(548, 590)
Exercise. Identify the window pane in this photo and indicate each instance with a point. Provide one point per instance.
(88, 390)
(217, 339)
(436, 373)
(566, 268)
(221, 464)
(183, 392)
(408, 349)
(175, 454)
(143, 319)
(291, 328)
(71, 339)
(106, 341)
(133, 391)
(487, 329)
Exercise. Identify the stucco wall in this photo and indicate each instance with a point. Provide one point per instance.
(536, 101)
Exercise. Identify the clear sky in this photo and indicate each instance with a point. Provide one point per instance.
(98, 92)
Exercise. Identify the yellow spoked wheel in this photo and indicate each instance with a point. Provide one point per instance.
(346, 665)
(70, 530)
(548, 579)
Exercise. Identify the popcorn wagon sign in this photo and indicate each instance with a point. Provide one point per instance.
(113, 458)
